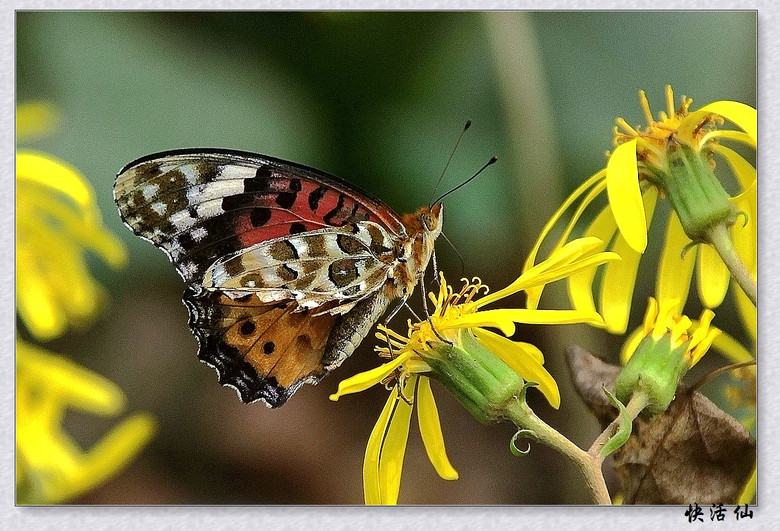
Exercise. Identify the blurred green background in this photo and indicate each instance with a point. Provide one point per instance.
(378, 99)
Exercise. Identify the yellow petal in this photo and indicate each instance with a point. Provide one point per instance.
(494, 342)
(625, 197)
(674, 272)
(731, 349)
(37, 306)
(430, 429)
(55, 174)
(702, 348)
(736, 136)
(617, 286)
(595, 192)
(690, 126)
(371, 484)
(713, 277)
(568, 270)
(629, 346)
(35, 118)
(364, 380)
(391, 458)
(504, 318)
(110, 455)
(743, 115)
(534, 294)
(744, 171)
(580, 284)
(85, 390)
(523, 358)
(563, 263)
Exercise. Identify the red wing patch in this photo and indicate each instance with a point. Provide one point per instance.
(199, 205)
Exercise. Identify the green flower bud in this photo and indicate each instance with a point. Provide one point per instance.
(668, 347)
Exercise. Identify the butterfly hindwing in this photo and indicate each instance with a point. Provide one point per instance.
(346, 263)
(200, 205)
(266, 351)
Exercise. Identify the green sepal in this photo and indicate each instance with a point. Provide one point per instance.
(477, 377)
(517, 452)
(655, 369)
(696, 194)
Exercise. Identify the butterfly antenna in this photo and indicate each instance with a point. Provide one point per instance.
(465, 128)
(492, 160)
(460, 256)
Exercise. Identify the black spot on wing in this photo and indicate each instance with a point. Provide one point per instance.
(259, 216)
(297, 228)
(264, 172)
(315, 196)
(329, 217)
(232, 369)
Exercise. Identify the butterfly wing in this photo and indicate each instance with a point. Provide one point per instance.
(285, 264)
(266, 351)
(201, 205)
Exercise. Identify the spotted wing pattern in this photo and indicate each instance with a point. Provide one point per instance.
(338, 264)
(199, 206)
(284, 263)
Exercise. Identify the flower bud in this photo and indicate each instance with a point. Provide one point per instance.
(671, 344)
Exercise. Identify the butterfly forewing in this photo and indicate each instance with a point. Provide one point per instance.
(287, 267)
(201, 205)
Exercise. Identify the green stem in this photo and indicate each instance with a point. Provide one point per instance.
(635, 405)
(589, 466)
(719, 237)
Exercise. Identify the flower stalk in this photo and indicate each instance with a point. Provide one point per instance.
(589, 465)
(719, 237)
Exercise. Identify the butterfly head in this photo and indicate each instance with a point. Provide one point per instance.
(423, 227)
(431, 219)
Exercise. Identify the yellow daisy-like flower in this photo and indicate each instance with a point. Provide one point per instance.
(662, 319)
(57, 220)
(493, 371)
(35, 119)
(50, 466)
(672, 157)
(661, 352)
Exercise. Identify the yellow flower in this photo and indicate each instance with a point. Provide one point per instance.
(459, 318)
(35, 119)
(665, 158)
(661, 352)
(664, 319)
(57, 220)
(50, 465)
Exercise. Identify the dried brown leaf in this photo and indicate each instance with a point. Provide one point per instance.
(692, 452)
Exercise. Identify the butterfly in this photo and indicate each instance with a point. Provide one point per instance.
(287, 267)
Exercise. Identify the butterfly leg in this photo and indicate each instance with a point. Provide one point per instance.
(428, 315)
(399, 383)
(386, 321)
